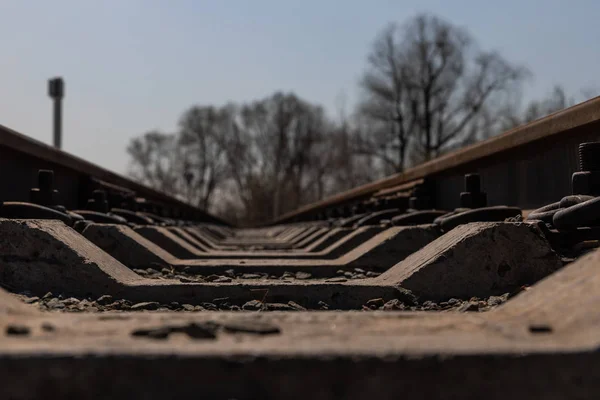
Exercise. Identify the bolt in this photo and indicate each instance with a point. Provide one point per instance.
(46, 179)
(44, 194)
(587, 180)
(589, 156)
(420, 198)
(472, 183)
(473, 197)
(98, 201)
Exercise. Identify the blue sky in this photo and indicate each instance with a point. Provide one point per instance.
(134, 65)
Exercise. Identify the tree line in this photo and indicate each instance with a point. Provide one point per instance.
(427, 88)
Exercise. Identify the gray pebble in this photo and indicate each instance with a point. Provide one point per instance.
(280, 307)
(32, 300)
(303, 275)
(253, 305)
(251, 276)
(296, 306)
(55, 303)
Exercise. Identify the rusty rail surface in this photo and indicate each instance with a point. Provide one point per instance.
(516, 162)
(75, 178)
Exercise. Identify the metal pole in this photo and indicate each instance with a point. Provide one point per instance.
(56, 91)
(57, 123)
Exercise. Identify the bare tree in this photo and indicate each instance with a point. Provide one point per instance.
(155, 161)
(202, 136)
(387, 102)
(274, 146)
(427, 86)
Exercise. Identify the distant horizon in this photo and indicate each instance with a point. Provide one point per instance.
(135, 66)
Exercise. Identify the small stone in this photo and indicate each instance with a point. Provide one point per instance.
(209, 306)
(323, 305)
(251, 276)
(253, 305)
(359, 276)
(70, 301)
(55, 303)
(359, 270)
(496, 300)
(188, 307)
(84, 303)
(230, 273)
(235, 308)
(222, 279)
(406, 296)
(340, 272)
(47, 296)
(148, 305)
(162, 309)
(348, 274)
(104, 300)
(32, 300)
(303, 275)
(141, 272)
(375, 303)
(166, 271)
(175, 305)
(372, 274)
(453, 302)
(199, 308)
(394, 304)
(430, 305)
(296, 306)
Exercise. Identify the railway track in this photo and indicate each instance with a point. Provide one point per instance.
(474, 275)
